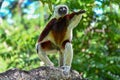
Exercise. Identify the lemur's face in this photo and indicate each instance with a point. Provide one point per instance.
(60, 10)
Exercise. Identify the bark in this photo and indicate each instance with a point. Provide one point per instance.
(41, 73)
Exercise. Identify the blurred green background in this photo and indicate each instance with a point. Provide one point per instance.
(96, 39)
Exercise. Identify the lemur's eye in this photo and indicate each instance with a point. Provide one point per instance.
(62, 10)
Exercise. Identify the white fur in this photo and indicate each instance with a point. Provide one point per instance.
(75, 21)
(68, 56)
(56, 14)
(42, 55)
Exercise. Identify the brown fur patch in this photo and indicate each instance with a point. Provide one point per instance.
(47, 45)
(47, 29)
(59, 30)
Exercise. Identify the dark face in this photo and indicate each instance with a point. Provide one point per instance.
(62, 11)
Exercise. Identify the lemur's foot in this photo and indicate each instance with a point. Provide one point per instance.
(66, 71)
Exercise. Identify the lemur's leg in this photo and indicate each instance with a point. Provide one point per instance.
(43, 56)
(68, 56)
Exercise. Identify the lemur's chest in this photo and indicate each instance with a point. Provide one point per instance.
(59, 34)
(59, 31)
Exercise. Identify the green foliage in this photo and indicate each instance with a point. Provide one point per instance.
(96, 47)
